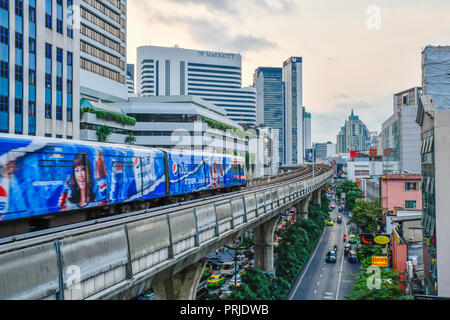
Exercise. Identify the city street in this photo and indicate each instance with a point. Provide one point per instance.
(321, 280)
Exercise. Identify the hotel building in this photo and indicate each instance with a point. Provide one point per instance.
(215, 77)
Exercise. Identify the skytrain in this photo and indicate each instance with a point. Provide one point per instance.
(41, 176)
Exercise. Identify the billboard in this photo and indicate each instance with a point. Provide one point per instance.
(338, 170)
(373, 152)
(354, 154)
(309, 155)
(380, 261)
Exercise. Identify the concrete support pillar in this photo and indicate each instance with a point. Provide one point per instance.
(180, 286)
(317, 196)
(302, 208)
(263, 236)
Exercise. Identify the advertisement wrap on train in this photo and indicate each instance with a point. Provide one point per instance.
(39, 178)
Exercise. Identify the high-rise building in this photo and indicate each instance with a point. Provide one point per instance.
(324, 151)
(354, 135)
(433, 117)
(306, 131)
(270, 102)
(213, 76)
(103, 50)
(292, 77)
(401, 135)
(39, 64)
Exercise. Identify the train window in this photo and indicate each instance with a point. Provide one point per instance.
(235, 168)
(47, 163)
(65, 163)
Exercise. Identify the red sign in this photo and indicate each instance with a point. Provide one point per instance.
(354, 153)
(373, 152)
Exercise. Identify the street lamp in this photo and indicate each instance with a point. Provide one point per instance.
(235, 259)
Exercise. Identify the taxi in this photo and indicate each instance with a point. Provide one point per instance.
(330, 222)
(215, 280)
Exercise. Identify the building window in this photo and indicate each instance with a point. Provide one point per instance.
(410, 204)
(411, 186)
(19, 40)
(48, 111)
(19, 8)
(32, 45)
(32, 77)
(19, 73)
(32, 14)
(48, 51)
(48, 81)
(4, 69)
(59, 113)
(48, 14)
(4, 35)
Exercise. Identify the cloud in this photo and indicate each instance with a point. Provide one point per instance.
(240, 6)
(212, 33)
(342, 96)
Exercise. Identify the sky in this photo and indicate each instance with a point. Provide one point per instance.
(356, 53)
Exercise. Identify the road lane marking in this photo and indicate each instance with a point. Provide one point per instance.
(312, 258)
(340, 271)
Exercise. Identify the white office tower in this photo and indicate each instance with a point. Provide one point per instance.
(401, 135)
(292, 77)
(212, 76)
(103, 50)
(39, 63)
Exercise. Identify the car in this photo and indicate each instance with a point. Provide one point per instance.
(242, 259)
(331, 257)
(148, 295)
(330, 222)
(352, 257)
(215, 281)
(224, 290)
(332, 206)
(339, 219)
(352, 239)
(228, 269)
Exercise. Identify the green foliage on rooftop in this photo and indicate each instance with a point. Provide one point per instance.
(111, 116)
(224, 127)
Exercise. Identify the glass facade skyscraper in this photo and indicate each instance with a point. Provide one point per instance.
(292, 78)
(354, 135)
(270, 102)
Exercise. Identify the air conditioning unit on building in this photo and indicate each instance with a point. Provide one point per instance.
(411, 239)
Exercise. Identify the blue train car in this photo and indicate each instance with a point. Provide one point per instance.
(192, 172)
(42, 175)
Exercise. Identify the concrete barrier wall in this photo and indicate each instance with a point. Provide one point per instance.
(88, 262)
(20, 279)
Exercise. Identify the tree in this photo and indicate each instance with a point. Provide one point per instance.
(103, 133)
(352, 193)
(130, 139)
(367, 216)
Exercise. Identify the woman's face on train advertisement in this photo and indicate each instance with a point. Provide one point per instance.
(80, 176)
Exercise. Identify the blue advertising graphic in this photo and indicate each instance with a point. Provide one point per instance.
(40, 176)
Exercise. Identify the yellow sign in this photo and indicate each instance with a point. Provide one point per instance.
(381, 239)
(380, 261)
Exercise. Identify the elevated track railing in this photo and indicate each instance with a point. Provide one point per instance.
(100, 261)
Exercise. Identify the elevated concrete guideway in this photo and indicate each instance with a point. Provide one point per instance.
(164, 249)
